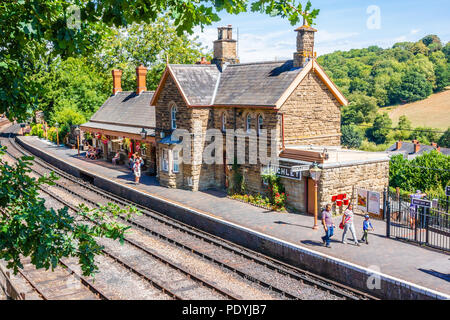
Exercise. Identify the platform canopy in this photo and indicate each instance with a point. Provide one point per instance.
(124, 114)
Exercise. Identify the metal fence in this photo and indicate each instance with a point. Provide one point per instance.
(427, 226)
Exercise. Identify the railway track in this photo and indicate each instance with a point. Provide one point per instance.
(254, 267)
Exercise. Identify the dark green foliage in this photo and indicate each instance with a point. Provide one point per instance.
(360, 109)
(381, 128)
(444, 140)
(391, 75)
(429, 171)
(424, 135)
(414, 86)
(29, 229)
(351, 137)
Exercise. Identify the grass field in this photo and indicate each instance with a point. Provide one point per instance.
(431, 112)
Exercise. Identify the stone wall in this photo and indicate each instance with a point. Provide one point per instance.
(312, 115)
(295, 189)
(371, 176)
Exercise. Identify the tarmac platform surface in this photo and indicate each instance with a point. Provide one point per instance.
(403, 264)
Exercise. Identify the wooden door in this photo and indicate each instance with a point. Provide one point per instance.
(310, 193)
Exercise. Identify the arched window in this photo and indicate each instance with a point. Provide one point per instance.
(224, 122)
(260, 123)
(173, 117)
(248, 122)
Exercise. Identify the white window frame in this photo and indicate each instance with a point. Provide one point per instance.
(260, 124)
(165, 160)
(173, 117)
(175, 161)
(248, 122)
(224, 122)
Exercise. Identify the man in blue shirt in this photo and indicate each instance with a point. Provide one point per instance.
(366, 226)
(328, 225)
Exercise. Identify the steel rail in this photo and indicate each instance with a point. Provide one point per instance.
(297, 274)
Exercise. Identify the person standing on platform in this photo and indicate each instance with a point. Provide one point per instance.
(137, 171)
(347, 223)
(328, 225)
(366, 226)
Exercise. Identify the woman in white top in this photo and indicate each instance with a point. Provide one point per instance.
(137, 171)
(347, 221)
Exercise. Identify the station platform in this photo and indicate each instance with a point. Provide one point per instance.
(386, 268)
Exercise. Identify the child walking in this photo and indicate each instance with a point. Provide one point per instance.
(366, 226)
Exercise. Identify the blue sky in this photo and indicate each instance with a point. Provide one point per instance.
(341, 25)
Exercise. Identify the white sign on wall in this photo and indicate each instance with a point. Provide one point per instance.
(373, 203)
(361, 200)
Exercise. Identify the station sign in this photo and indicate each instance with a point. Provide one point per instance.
(447, 191)
(300, 168)
(283, 172)
(421, 203)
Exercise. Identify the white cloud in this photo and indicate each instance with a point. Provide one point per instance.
(414, 31)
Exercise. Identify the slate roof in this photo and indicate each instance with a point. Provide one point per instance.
(125, 112)
(197, 81)
(407, 149)
(127, 108)
(256, 84)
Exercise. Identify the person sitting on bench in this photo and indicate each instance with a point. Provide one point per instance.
(116, 158)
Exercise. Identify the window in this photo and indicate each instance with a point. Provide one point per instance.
(224, 122)
(176, 166)
(173, 117)
(249, 121)
(165, 160)
(260, 123)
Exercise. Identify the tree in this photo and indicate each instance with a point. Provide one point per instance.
(35, 31)
(150, 45)
(29, 229)
(379, 132)
(414, 86)
(425, 135)
(404, 129)
(351, 136)
(444, 140)
(361, 109)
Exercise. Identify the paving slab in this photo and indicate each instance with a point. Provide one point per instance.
(407, 262)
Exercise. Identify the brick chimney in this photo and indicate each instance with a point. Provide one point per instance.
(225, 47)
(398, 145)
(117, 80)
(203, 61)
(305, 45)
(416, 147)
(141, 73)
(438, 149)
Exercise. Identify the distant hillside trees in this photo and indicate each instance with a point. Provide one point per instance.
(404, 73)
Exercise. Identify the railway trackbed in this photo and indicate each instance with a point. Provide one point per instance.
(184, 251)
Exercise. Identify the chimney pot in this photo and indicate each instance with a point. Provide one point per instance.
(141, 75)
(117, 80)
(225, 47)
(434, 144)
(305, 45)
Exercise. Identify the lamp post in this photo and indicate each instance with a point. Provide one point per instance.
(77, 132)
(57, 133)
(143, 134)
(315, 173)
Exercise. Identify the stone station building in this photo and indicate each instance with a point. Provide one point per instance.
(294, 101)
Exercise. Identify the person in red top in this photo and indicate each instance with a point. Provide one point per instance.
(347, 223)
